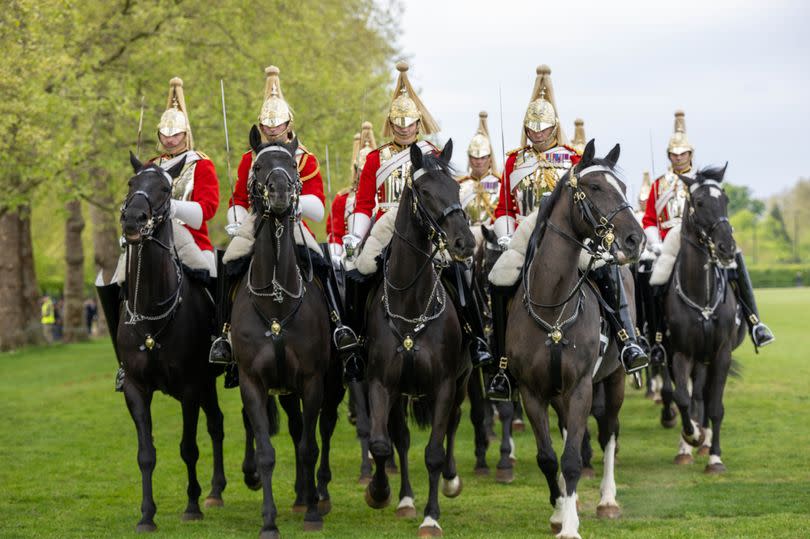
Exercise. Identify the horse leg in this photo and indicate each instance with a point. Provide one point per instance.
(312, 400)
(576, 420)
(668, 410)
(504, 471)
(327, 422)
(444, 411)
(362, 426)
(716, 384)
(255, 399)
(291, 404)
(401, 437)
(139, 404)
(451, 482)
(378, 491)
(517, 418)
(690, 435)
(537, 412)
(249, 471)
(190, 454)
(608, 422)
(214, 423)
(478, 406)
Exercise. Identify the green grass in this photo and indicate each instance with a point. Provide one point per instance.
(68, 460)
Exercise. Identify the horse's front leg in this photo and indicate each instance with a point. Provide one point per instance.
(190, 454)
(504, 471)
(537, 412)
(359, 393)
(254, 399)
(380, 399)
(139, 403)
(215, 425)
(401, 437)
(691, 434)
(608, 422)
(249, 471)
(451, 482)
(478, 418)
(443, 414)
(311, 401)
(578, 410)
(715, 385)
(292, 405)
(669, 411)
(327, 422)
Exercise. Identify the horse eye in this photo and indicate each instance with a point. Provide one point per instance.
(166, 189)
(594, 187)
(699, 203)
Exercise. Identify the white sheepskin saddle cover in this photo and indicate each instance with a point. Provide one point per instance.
(506, 270)
(662, 268)
(380, 236)
(242, 244)
(189, 252)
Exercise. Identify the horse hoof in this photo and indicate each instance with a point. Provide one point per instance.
(691, 441)
(512, 460)
(481, 471)
(608, 511)
(430, 531)
(682, 459)
(374, 504)
(716, 468)
(504, 475)
(406, 512)
(270, 534)
(213, 502)
(313, 525)
(669, 423)
(518, 425)
(299, 508)
(650, 394)
(587, 473)
(364, 480)
(391, 470)
(188, 516)
(253, 482)
(452, 487)
(145, 527)
(324, 507)
(703, 451)
(556, 527)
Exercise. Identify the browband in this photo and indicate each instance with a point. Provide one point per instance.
(706, 183)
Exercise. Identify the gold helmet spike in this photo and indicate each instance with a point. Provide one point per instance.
(174, 119)
(275, 110)
(481, 145)
(542, 110)
(579, 141)
(406, 107)
(678, 142)
(644, 192)
(366, 146)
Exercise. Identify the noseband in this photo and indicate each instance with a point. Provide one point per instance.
(704, 234)
(157, 216)
(258, 188)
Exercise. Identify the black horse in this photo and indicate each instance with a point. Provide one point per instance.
(416, 341)
(702, 315)
(163, 337)
(553, 337)
(281, 339)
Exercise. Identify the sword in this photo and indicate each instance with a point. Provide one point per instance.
(652, 155)
(507, 185)
(140, 130)
(227, 146)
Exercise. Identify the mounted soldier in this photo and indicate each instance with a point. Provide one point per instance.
(386, 173)
(482, 183)
(531, 173)
(195, 199)
(276, 125)
(580, 140)
(664, 212)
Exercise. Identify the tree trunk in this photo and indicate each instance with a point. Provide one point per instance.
(105, 234)
(73, 319)
(30, 288)
(12, 314)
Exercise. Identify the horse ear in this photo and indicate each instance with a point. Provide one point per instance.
(292, 146)
(687, 180)
(587, 155)
(489, 235)
(447, 152)
(175, 171)
(416, 156)
(613, 156)
(255, 138)
(723, 172)
(136, 165)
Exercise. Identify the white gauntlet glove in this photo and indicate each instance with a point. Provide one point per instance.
(504, 242)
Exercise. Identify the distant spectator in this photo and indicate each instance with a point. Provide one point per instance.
(48, 318)
(58, 317)
(90, 314)
(799, 280)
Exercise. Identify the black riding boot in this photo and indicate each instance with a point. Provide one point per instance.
(609, 280)
(760, 333)
(109, 296)
(658, 352)
(345, 339)
(468, 308)
(221, 347)
(502, 386)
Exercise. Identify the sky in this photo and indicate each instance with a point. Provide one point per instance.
(740, 70)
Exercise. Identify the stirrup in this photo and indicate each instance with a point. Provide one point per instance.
(221, 341)
(627, 348)
(501, 377)
(343, 333)
(658, 349)
(768, 340)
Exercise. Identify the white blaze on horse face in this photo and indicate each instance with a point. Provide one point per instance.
(607, 489)
(715, 192)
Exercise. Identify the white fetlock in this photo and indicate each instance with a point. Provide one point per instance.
(684, 448)
(714, 459)
(557, 516)
(570, 520)
(406, 503)
(512, 454)
(430, 522)
(608, 486)
(707, 441)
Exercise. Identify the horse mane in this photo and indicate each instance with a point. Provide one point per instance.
(714, 173)
(432, 163)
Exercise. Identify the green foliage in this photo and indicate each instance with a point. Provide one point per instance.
(740, 198)
(781, 275)
(794, 209)
(70, 469)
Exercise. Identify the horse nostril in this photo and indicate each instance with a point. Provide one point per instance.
(632, 241)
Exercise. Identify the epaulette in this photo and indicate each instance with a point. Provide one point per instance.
(304, 149)
(379, 148)
(571, 149)
(516, 150)
(202, 155)
(461, 179)
(344, 191)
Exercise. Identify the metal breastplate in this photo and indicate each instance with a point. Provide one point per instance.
(551, 167)
(395, 182)
(183, 185)
(480, 198)
(676, 203)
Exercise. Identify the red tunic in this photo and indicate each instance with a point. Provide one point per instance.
(651, 217)
(206, 194)
(308, 170)
(336, 220)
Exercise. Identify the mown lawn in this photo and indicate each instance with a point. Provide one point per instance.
(68, 466)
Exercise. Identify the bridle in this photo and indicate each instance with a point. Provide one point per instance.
(257, 188)
(704, 234)
(157, 216)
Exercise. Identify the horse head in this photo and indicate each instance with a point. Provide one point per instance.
(274, 183)
(148, 201)
(706, 213)
(605, 215)
(436, 203)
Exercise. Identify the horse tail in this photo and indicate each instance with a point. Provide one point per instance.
(421, 411)
(735, 370)
(272, 415)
